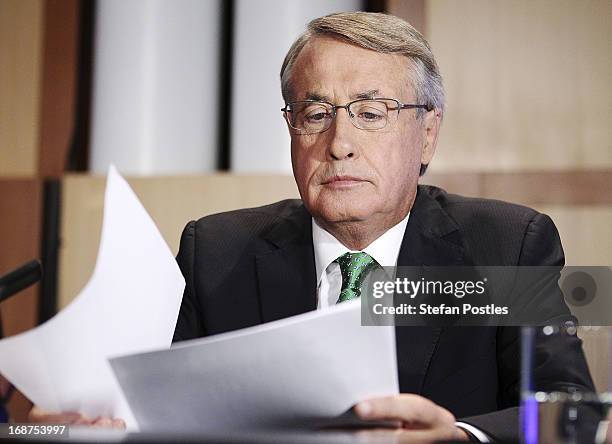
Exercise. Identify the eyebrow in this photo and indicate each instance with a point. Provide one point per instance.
(317, 97)
(369, 94)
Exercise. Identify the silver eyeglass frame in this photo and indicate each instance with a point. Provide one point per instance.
(399, 106)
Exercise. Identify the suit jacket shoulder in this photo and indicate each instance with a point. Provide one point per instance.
(226, 257)
(219, 241)
(494, 232)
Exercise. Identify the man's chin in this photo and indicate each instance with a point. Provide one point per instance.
(340, 215)
(343, 205)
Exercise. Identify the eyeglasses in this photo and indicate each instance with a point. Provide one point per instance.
(312, 117)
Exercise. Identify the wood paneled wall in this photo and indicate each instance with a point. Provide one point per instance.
(38, 69)
(527, 81)
(21, 39)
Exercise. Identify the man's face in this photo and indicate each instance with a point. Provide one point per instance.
(346, 174)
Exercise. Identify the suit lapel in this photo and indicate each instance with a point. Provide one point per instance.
(286, 275)
(432, 238)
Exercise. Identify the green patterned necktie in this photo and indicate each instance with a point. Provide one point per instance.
(354, 267)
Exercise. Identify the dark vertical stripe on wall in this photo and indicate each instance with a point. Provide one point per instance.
(374, 5)
(50, 240)
(225, 85)
(78, 156)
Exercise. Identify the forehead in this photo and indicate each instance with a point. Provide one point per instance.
(329, 68)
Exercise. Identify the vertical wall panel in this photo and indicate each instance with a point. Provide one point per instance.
(155, 94)
(264, 32)
(20, 64)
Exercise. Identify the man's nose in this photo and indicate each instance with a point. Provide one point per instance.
(342, 143)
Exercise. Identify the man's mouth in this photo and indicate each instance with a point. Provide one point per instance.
(343, 181)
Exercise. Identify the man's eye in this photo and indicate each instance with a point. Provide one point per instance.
(316, 117)
(370, 116)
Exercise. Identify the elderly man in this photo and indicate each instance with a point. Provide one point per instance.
(364, 103)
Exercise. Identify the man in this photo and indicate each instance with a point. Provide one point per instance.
(364, 103)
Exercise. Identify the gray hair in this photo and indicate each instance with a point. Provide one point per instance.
(381, 33)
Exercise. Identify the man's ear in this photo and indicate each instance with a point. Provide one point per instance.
(431, 128)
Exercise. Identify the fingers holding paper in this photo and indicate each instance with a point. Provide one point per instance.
(38, 415)
(418, 419)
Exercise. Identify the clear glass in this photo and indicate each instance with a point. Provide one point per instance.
(571, 415)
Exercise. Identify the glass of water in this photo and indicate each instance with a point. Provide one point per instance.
(566, 413)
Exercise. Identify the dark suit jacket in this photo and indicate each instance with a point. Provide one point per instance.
(256, 265)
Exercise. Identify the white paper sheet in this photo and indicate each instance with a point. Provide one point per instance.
(130, 304)
(294, 371)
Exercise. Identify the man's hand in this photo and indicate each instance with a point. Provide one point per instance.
(41, 416)
(418, 419)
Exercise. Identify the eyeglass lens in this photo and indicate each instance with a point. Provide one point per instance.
(313, 117)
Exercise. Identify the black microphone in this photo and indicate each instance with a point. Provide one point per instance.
(15, 281)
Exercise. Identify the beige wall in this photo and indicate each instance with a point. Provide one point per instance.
(585, 231)
(528, 83)
(597, 347)
(21, 33)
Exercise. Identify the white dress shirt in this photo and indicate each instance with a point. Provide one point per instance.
(385, 250)
(327, 249)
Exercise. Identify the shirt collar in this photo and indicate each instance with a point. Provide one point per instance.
(385, 249)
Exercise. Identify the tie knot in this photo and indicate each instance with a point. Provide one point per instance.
(354, 267)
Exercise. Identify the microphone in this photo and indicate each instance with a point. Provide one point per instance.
(15, 281)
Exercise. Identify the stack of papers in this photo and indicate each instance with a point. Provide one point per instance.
(297, 372)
